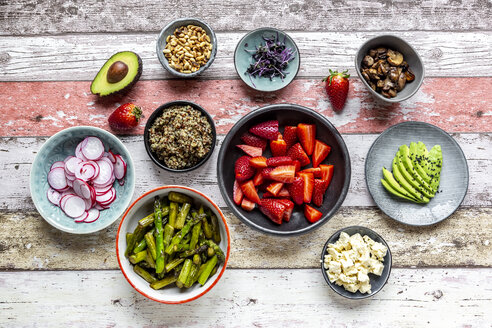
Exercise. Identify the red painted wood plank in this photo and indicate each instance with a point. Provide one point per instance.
(44, 108)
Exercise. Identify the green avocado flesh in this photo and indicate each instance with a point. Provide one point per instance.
(416, 173)
(102, 87)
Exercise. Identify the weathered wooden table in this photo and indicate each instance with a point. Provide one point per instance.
(51, 50)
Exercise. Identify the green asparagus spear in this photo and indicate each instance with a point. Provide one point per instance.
(140, 246)
(159, 237)
(203, 257)
(165, 211)
(197, 259)
(179, 197)
(168, 234)
(192, 252)
(192, 276)
(138, 233)
(173, 213)
(180, 235)
(210, 252)
(140, 256)
(215, 228)
(164, 282)
(172, 264)
(207, 229)
(180, 248)
(149, 259)
(128, 237)
(185, 272)
(183, 213)
(149, 238)
(209, 266)
(214, 271)
(217, 249)
(146, 221)
(195, 234)
(144, 274)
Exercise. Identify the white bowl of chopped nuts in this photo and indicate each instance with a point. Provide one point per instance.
(186, 47)
(356, 262)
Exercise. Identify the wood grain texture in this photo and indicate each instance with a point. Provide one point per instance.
(27, 242)
(277, 298)
(80, 56)
(33, 17)
(17, 154)
(44, 108)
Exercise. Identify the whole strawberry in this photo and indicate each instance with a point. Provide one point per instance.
(337, 86)
(125, 117)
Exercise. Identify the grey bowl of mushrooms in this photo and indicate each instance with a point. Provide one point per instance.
(390, 68)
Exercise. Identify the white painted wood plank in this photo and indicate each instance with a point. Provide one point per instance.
(79, 57)
(247, 298)
(17, 155)
(34, 17)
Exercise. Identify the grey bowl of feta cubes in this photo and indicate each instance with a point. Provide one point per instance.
(356, 262)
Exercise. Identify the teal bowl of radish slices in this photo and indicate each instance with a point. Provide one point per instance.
(82, 180)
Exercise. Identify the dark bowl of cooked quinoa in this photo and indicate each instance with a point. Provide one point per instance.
(180, 136)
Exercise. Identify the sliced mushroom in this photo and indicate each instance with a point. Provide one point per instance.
(373, 86)
(409, 75)
(368, 61)
(404, 66)
(392, 93)
(402, 80)
(380, 84)
(386, 94)
(395, 58)
(373, 53)
(383, 67)
(373, 74)
(393, 74)
(388, 84)
(365, 74)
(381, 50)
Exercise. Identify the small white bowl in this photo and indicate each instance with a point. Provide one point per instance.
(142, 207)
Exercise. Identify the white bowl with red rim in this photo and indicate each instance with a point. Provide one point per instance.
(142, 207)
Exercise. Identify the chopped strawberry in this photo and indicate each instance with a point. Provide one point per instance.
(319, 190)
(243, 169)
(273, 209)
(296, 152)
(247, 205)
(316, 171)
(252, 140)
(321, 150)
(284, 193)
(279, 160)
(307, 134)
(290, 135)
(250, 192)
(278, 147)
(237, 193)
(268, 195)
(296, 190)
(312, 214)
(284, 173)
(275, 187)
(258, 179)
(289, 208)
(308, 179)
(266, 173)
(326, 172)
(250, 150)
(258, 162)
(267, 130)
(297, 164)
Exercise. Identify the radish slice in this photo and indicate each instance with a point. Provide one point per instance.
(67, 159)
(105, 173)
(57, 164)
(70, 183)
(93, 215)
(93, 149)
(74, 207)
(71, 165)
(87, 171)
(88, 204)
(82, 189)
(103, 190)
(111, 156)
(78, 151)
(119, 167)
(105, 197)
(99, 207)
(109, 162)
(71, 177)
(82, 217)
(57, 179)
(64, 198)
(54, 196)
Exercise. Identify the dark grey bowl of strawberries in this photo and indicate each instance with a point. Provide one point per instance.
(284, 169)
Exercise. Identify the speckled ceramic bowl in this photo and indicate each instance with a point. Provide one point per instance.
(243, 59)
(141, 208)
(169, 29)
(57, 148)
(377, 282)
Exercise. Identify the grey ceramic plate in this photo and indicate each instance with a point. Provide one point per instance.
(377, 282)
(454, 174)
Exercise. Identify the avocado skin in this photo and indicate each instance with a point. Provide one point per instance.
(102, 75)
(403, 154)
(409, 182)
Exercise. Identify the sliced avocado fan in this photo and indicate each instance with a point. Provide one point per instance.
(435, 166)
(416, 159)
(118, 74)
(404, 156)
(408, 181)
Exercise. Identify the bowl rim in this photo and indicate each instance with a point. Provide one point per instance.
(165, 63)
(316, 116)
(444, 133)
(266, 28)
(158, 111)
(36, 158)
(325, 275)
(225, 226)
(374, 93)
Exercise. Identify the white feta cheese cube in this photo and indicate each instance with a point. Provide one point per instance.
(334, 267)
(362, 277)
(365, 288)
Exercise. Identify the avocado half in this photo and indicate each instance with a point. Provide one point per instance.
(125, 72)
